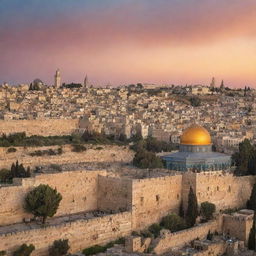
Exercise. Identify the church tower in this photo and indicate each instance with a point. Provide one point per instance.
(57, 79)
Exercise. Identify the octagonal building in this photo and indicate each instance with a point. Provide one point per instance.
(195, 152)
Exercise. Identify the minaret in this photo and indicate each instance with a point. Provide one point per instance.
(86, 82)
(57, 79)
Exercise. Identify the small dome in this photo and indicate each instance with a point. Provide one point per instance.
(38, 82)
(195, 135)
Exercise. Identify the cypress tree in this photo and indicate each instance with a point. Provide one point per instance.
(251, 203)
(192, 210)
(251, 239)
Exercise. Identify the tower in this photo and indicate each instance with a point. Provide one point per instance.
(57, 79)
(86, 82)
(212, 85)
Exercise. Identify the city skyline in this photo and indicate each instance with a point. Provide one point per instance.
(122, 42)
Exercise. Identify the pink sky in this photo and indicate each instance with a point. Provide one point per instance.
(180, 42)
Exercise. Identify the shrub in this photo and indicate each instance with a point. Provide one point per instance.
(94, 250)
(99, 148)
(43, 201)
(78, 148)
(2, 253)
(56, 167)
(173, 222)
(11, 150)
(209, 236)
(155, 229)
(207, 210)
(59, 248)
(24, 250)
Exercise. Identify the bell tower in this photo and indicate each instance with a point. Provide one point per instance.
(57, 79)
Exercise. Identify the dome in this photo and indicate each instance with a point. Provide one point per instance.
(195, 135)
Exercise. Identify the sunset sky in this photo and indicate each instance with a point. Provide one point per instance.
(129, 41)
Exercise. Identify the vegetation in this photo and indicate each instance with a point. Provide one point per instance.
(47, 152)
(5, 176)
(195, 101)
(98, 248)
(209, 236)
(43, 201)
(59, 248)
(245, 159)
(78, 148)
(2, 253)
(11, 150)
(153, 145)
(155, 229)
(192, 211)
(173, 222)
(251, 203)
(24, 250)
(207, 210)
(251, 239)
(145, 159)
(18, 171)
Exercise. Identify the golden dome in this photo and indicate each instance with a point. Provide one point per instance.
(195, 135)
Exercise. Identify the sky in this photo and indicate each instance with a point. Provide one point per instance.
(129, 41)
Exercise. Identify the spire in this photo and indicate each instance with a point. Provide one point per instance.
(86, 81)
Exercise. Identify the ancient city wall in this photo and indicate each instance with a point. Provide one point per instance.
(180, 238)
(153, 198)
(47, 127)
(114, 193)
(223, 189)
(78, 189)
(80, 233)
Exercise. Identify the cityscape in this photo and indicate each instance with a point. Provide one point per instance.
(127, 128)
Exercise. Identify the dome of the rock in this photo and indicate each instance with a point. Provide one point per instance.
(195, 135)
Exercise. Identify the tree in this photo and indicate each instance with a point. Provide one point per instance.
(243, 159)
(195, 101)
(43, 201)
(173, 222)
(18, 171)
(59, 248)
(251, 203)
(144, 159)
(24, 250)
(192, 210)
(207, 210)
(252, 238)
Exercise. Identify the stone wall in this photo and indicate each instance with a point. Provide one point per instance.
(114, 193)
(238, 226)
(80, 233)
(223, 189)
(180, 238)
(47, 127)
(153, 198)
(78, 189)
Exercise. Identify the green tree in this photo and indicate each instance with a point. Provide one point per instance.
(192, 210)
(18, 171)
(43, 201)
(144, 159)
(244, 157)
(195, 101)
(24, 250)
(251, 203)
(173, 222)
(252, 237)
(207, 210)
(59, 248)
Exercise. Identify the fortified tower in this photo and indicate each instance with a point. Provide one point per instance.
(57, 79)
